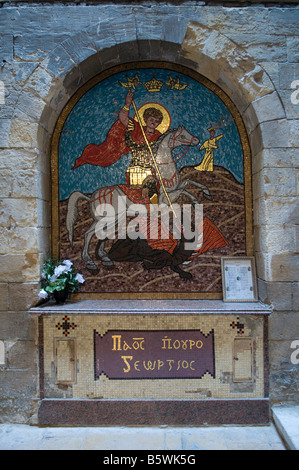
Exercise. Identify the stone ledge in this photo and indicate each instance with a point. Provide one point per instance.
(176, 306)
(231, 3)
(286, 419)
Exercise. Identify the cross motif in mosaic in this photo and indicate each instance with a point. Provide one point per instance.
(239, 326)
(66, 326)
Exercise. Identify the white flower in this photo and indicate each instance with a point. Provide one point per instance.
(60, 269)
(42, 294)
(80, 278)
(53, 278)
(67, 263)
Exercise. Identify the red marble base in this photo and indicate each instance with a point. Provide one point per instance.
(61, 412)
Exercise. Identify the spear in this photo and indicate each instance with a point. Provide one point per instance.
(153, 157)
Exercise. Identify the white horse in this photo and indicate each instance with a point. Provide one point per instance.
(110, 195)
(166, 163)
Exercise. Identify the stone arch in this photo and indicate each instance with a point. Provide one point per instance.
(74, 62)
(222, 61)
(203, 49)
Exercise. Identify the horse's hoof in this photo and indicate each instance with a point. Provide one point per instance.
(91, 266)
(186, 276)
(107, 263)
(208, 196)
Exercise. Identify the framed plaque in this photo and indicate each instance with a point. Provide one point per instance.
(239, 279)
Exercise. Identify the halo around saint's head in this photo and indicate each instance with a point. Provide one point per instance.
(165, 124)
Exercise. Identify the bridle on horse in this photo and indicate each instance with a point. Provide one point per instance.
(181, 154)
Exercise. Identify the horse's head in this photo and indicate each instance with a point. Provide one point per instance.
(183, 137)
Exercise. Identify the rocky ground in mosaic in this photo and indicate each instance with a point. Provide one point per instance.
(226, 211)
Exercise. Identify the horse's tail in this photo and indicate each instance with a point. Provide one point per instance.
(72, 212)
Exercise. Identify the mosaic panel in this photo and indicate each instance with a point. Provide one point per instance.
(153, 135)
(153, 356)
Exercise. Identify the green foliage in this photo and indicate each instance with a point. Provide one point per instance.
(57, 275)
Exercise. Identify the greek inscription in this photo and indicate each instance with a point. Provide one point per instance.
(157, 365)
(121, 345)
(168, 343)
(125, 359)
(154, 354)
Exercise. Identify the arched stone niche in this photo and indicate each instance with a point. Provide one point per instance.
(247, 86)
(203, 50)
(196, 103)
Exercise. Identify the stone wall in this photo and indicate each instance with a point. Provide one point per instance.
(48, 51)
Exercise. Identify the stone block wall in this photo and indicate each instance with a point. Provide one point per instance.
(48, 51)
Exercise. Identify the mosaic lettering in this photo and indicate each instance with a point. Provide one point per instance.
(154, 354)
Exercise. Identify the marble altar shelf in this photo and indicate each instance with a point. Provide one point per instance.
(181, 307)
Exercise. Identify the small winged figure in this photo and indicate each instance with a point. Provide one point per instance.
(172, 83)
(132, 82)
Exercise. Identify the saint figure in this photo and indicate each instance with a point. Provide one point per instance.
(126, 136)
(209, 146)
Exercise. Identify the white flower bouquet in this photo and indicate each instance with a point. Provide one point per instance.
(58, 276)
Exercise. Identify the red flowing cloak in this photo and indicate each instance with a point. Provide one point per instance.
(110, 151)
